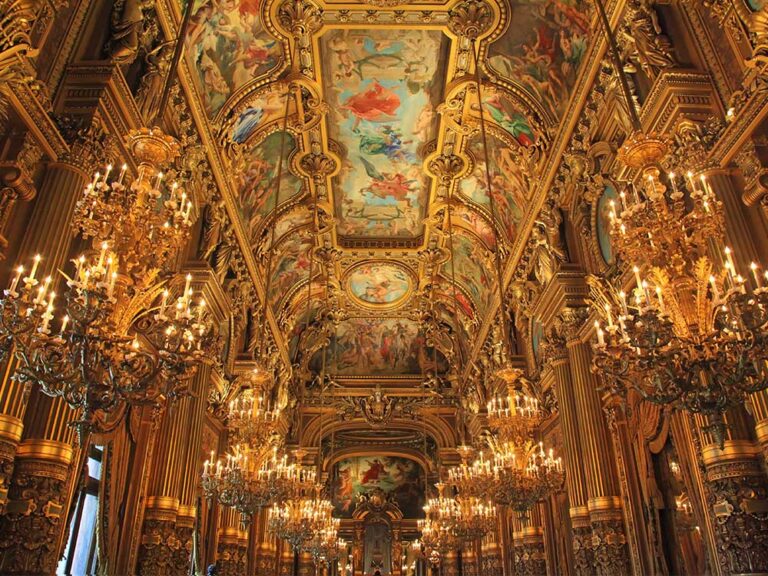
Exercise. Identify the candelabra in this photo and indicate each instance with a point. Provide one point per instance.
(248, 483)
(438, 527)
(299, 520)
(692, 333)
(119, 342)
(250, 421)
(114, 346)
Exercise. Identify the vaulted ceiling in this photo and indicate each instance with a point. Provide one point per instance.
(373, 107)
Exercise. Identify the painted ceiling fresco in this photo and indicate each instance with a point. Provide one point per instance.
(542, 48)
(401, 477)
(229, 47)
(382, 87)
(391, 90)
(256, 181)
(379, 284)
(376, 346)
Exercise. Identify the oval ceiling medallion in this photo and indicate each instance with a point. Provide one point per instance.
(379, 284)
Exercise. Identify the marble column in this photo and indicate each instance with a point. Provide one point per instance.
(556, 357)
(610, 552)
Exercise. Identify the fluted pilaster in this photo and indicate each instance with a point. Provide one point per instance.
(556, 354)
(610, 553)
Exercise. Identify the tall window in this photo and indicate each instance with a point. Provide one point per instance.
(80, 553)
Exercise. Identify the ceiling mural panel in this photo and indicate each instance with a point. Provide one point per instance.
(228, 46)
(382, 87)
(379, 284)
(471, 267)
(256, 181)
(380, 347)
(542, 48)
(508, 182)
(290, 267)
(258, 113)
(403, 478)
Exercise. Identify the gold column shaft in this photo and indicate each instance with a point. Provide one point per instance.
(196, 417)
(564, 389)
(608, 542)
(595, 439)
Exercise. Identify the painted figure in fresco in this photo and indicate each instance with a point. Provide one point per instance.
(229, 46)
(374, 473)
(544, 50)
(386, 185)
(387, 141)
(516, 124)
(376, 104)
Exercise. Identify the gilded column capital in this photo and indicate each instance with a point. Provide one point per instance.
(446, 167)
(299, 17)
(317, 165)
(470, 18)
(90, 146)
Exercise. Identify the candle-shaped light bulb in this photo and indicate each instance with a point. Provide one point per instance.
(35, 264)
(600, 334)
(608, 315)
(64, 322)
(753, 267)
(15, 281)
(123, 170)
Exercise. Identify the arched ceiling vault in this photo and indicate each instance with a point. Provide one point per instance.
(374, 110)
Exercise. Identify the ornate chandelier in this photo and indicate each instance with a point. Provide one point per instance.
(248, 484)
(437, 528)
(524, 475)
(517, 415)
(147, 221)
(122, 339)
(250, 420)
(299, 520)
(117, 344)
(691, 333)
(325, 546)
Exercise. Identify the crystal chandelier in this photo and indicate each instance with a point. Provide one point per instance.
(116, 344)
(437, 528)
(685, 329)
(325, 546)
(517, 415)
(299, 520)
(247, 483)
(524, 475)
(251, 422)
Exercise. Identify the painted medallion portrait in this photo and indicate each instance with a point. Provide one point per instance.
(401, 478)
(604, 223)
(379, 284)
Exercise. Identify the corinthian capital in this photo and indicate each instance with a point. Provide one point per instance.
(299, 17)
(470, 18)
